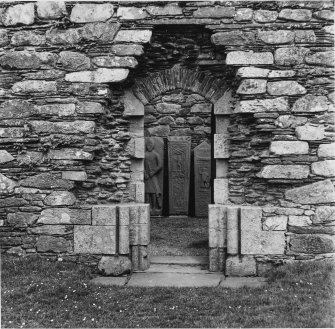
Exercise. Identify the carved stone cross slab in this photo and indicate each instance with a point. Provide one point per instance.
(202, 179)
(179, 157)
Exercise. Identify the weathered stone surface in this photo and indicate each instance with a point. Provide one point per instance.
(325, 58)
(114, 265)
(312, 244)
(56, 109)
(297, 15)
(285, 88)
(132, 105)
(290, 56)
(252, 72)
(136, 36)
(171, 9)
(221, 146)
(311, 103)
(101, 32)
(324, 14)
(233, 38)
(65, 216)
(132, 13)
(310, 133)
(290, 121)
(265, 16)
(252, 86)
(55, 244)
(17, 251)
(127, 50)
(21, 219)
(19, 14)
(27, 38)
(299, 220)
(30, 158)
(4, 38)
(325, 150)
(281, 74)
(221, 191)
(324, 168)
(225, 104)
(69, 153)
(289, 147)
(60, 198)
(87, 13)
(104, 215)
(167, 108)
(20, 60)
(116, 61)
(136, 148)
(94, 239)
(100, 75)
(51, 9)
(11, 132)
(161, 130)
(319, 192)
(243, 14)
(5, 157)
(248, 58)
(275, 223)
(201, 108)
(13, 202)
(284, 171)
(51, 230)
(74, 61)
(304, 36)
(76, 126)
(240, 266)
(324, 215)
(16, 109)
(63, 37)
(89, 108)
(78, 176)
(35, 86)
(276, 37)
(216, 11)
(46, 181)
(279, 104)
(7, 185)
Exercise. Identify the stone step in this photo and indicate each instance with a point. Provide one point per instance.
(176, 268)
(179, 260)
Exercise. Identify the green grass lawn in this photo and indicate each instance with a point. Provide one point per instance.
(37, 293)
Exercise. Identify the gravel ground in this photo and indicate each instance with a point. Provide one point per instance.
(179, 236)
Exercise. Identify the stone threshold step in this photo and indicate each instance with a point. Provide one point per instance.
(176, 268)
(179, 260)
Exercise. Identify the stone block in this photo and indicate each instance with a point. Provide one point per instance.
(325, 58)
(30, 158)
(252, 72)
(221, 191)
(325, 150)
(285, 88)
(233, 230)
(290, 56)
(137, 170)
(100, 32)
(89, 108)
(288, 147)
(279, 104)
(51, 9)
(327, 15)
(252, 86)
(167, 108)
(324, 215)
(65, 216)
(50, 230)
(248, 58)
(235, 37)
(324, 168)
(297, 15)
(78, 176)
(221, 146)
(104, 215)
(281, 74)
(20, 60)
(304, 36)
(161, 130)
(275, 223)
(60, 198)
(215, 12)
(114, 265)
(290, 121)
(17, 251)
(276, 37)
(284, 172)
(225, 104)
(56, 109)
(21, 219)
(136, 147)
(310, 133)
(63, 37)
(16, 109)
(140, 258)
(7, 185)
(127, 50)
(299, 220)
(265, 16)
(311, 103)
(89, 12)
(131, 13)
(312, 243)
(35, 86)
(315, 193)
(47, 181)
(139, 213)
(171, 9)
(137, 191)
(216, 259)
(69, 154)
(217, 221)
(95, 240)
(132, 105)
(136, 36)
(101, 75)
(53, 244)
(70, 127)
(243, 14)
(240, 266)
(13, 202)
(12, 132)
(124, 214)
(19, 14)
(115, 61)
(251, 219)
(5, 157)
(73, 61)
(4, 38)
(139, 234)
(201, 108)
(124, 244)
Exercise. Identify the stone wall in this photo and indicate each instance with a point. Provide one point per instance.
(68, 136)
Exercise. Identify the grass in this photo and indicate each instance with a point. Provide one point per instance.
(36, 293)
(184, 236)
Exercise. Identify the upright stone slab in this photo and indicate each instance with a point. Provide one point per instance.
(202, 178)
(154, 173)
(179, 150)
